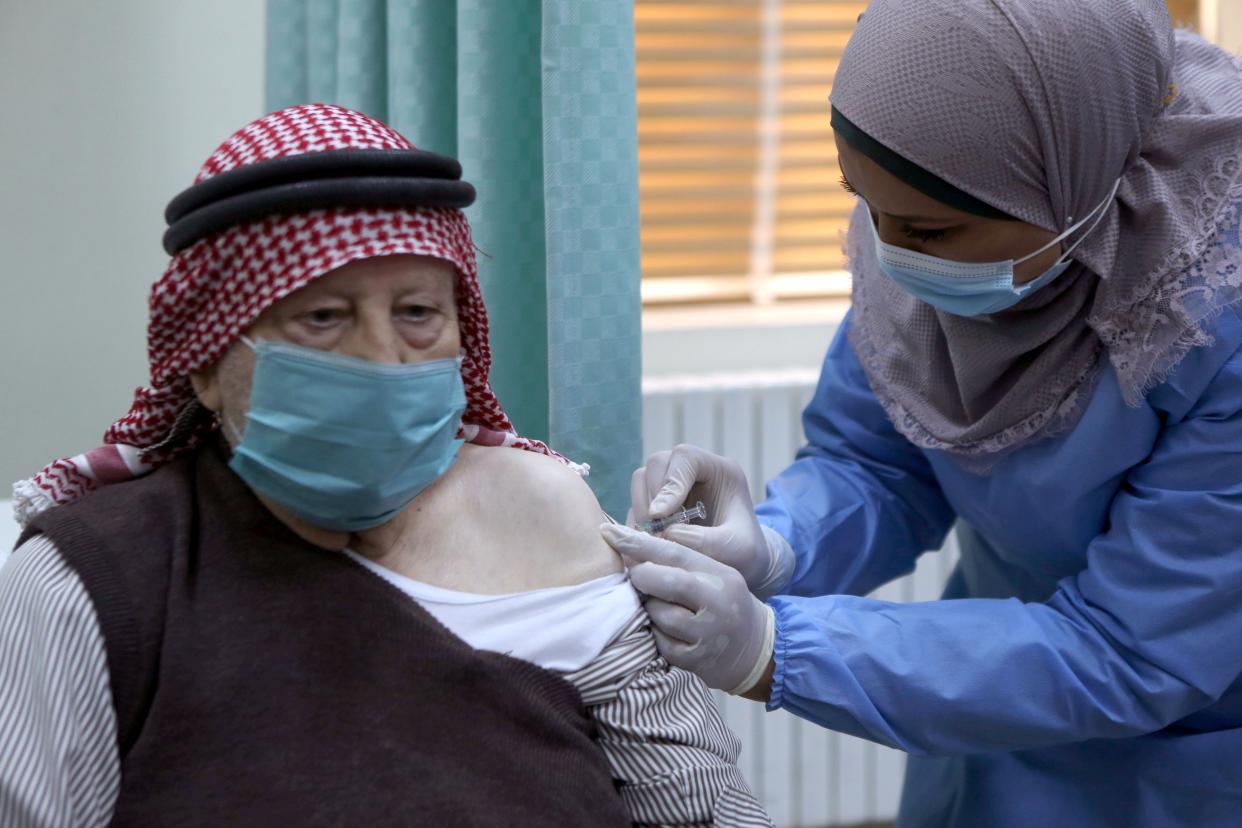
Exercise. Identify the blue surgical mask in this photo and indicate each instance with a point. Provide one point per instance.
(346, 443)
(974, 288)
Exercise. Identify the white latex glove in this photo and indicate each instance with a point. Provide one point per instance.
(733, 536)
(705, 619)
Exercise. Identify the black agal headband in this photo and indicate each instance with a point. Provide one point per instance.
(312, 181)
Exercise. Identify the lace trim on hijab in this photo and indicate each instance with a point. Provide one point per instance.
(1149, 338)
(980, 456)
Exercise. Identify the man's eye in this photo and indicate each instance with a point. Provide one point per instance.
(416, 313)
(321, 317)
(924, 235)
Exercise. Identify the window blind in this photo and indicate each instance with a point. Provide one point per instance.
(1184, 12)
(737, 170)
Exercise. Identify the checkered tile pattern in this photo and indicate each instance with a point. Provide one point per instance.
(591, 217)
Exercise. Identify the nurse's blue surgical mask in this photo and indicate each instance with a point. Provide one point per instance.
(975, 288)
(346, 443)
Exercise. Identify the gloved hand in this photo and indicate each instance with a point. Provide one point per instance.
(688, 474)
(705, 619)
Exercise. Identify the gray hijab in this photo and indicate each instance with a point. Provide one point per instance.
(1037, 107)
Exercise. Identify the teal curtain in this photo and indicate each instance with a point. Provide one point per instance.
(536, 98)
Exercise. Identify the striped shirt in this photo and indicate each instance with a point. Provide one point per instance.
(673, 758)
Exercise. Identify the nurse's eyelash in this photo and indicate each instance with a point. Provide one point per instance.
(923, 235)
(912, 233)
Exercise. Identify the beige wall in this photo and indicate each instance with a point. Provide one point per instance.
(108, 109)
(1224, 21)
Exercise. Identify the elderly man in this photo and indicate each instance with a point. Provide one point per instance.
(314, 577)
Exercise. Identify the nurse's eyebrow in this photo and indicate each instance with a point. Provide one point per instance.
(849, 188)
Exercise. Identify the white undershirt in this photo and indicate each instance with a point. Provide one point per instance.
(562, 629)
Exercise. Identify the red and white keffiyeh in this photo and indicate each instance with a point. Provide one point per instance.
(214, 290)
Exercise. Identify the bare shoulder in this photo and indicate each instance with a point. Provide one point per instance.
(541, 512)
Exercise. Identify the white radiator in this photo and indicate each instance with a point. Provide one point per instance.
(805, 775)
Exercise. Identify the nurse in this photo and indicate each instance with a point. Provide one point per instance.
(1045, 348)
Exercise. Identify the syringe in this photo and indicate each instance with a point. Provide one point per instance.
(655, 527)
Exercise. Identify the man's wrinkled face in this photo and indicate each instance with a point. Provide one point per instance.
(392, 309)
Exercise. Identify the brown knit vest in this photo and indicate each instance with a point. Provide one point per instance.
(261, 681)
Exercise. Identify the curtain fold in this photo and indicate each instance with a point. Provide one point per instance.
(536, 98)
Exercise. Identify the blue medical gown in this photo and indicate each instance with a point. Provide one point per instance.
(1088, 667)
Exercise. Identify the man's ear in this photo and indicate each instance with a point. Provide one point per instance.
(207, 386)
